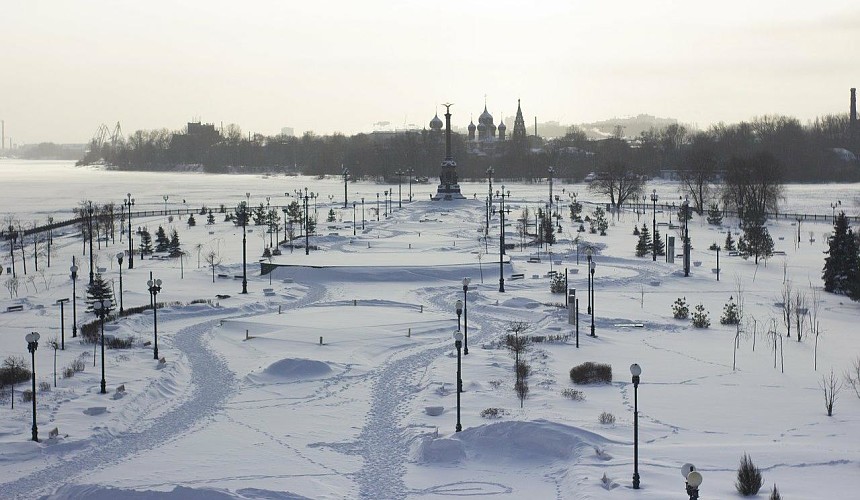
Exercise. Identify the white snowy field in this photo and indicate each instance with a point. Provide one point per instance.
(327, 382)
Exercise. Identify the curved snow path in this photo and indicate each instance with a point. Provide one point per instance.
(212, 385)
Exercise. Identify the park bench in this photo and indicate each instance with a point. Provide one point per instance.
(17, 307)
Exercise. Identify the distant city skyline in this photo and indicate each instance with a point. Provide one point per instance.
(339, 66)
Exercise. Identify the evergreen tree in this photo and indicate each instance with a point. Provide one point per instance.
(98, 290)
(700, 317)
(599, 221)
(547, 228)
(842, 264)
(145, 243)
(756, 240)
(210, 219)
(191, 221)
(715, 216)
(259, 215)
(730, 243)
(643, 247)
(331, 217)
(161, 240)
(730, 313)
(174, 247)
(241, 215)
(658, 243)
(680, 309)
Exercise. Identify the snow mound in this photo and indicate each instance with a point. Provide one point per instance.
(293, 369)
(521, 303)
(533, 441)
(96, 492)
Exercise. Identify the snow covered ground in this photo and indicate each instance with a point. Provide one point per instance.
(340, 381)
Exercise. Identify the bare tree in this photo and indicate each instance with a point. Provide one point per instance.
(213, 260)
(701, 170)
(800, 311)
(739, 290)
(814, 325)
(787, 306)
(831, 386)
(617, 178)
(12, 284)
(852, 376)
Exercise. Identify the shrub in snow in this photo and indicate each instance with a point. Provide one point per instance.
(606, 418)
(493, 413)
(573, 394)
(44, 386)
(680, 309)
(774, 493)
(14, 371)
(700, 317)
(495, 384)
(558, 284)
(730, 313)
(27, 395)
(591, 373)
(749, 477)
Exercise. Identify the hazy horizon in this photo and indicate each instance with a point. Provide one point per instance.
(335, 66)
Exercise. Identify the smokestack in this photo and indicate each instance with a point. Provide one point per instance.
(853, 117)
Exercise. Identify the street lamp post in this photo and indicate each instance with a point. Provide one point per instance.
(119, 257)
(74, 271)
(588, 278)
(466, 282)
(490, 172)
(635, 370)
(399, 174)
(411, 174)
(33, 344)
(62, 303)
(654, 227)
(165, 198)
(101, 308)
(307, 226)
(362, 213)
(686, 208)
(154, 287)
(551, 171)
(502, 195)
(693, 480)
(90, 211)
(458, 308)
(243, 209)
(129, 202)
(718, 263)
(353, 218)
(377, 207)
(345, 174)
(386, 203)
(458, 343)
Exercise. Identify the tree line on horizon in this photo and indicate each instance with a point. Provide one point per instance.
(816, 152)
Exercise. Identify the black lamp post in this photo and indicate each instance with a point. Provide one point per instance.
(74, 271)
(269, 219)
(693, 480)
(591, 265)
(377, 207)
(62, 303)
(502, 195)
(353, 218)
(243, 213)
(718, 262)
(654, 227)
(129, 202)
(458, 308)
(33, 344)
(686, 208)
(635, 370)
(119, 257)
(551, 171)
(458, 343)
(399, 174)
(466, 282)
(154, 287)
(411, 173)
(101, 308)
(490, 172)
(386, 203)
(362, 213)
(90, 211)
(588, 278)
(345, 174)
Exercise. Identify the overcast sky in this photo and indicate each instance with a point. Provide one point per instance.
(326, 66)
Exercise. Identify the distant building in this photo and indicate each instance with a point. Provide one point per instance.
(288, 131)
